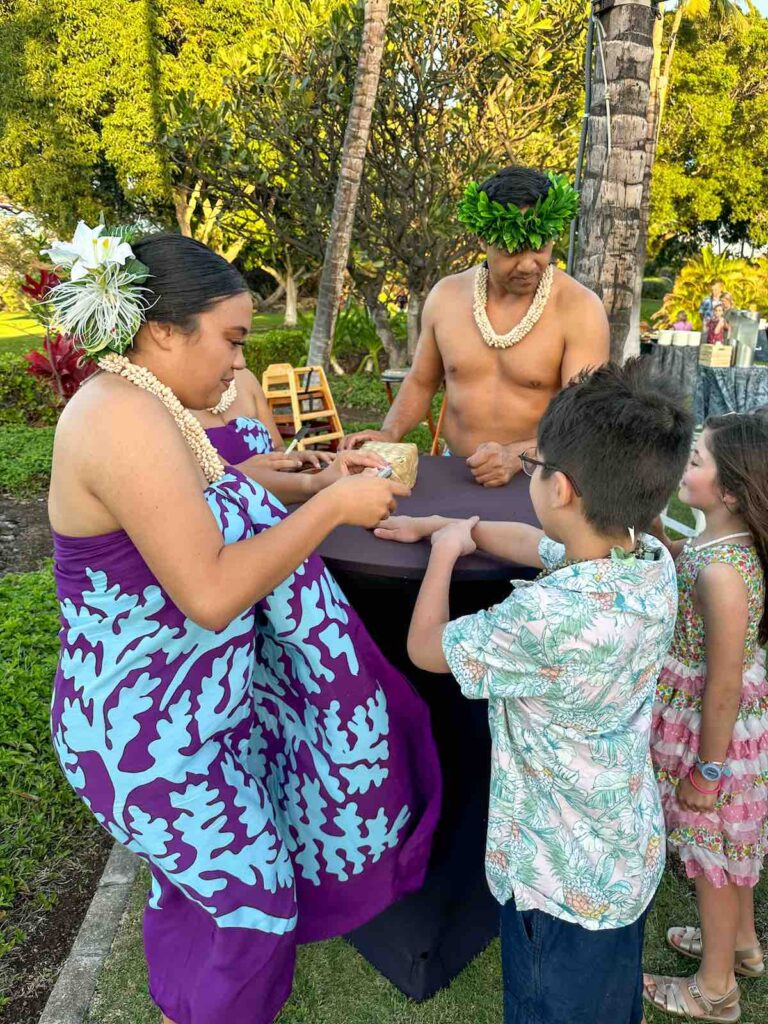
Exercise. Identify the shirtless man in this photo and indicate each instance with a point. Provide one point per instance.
(497, 389)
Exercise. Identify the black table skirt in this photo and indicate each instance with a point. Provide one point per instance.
(426, 939)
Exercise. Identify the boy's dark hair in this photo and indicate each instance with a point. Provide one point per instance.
(624, 435)
(521, 186)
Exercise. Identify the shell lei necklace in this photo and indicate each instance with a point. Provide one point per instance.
(529, 321)
(225, 401)
(191, 428)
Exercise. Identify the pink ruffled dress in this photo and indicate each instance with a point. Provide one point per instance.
(727, 844)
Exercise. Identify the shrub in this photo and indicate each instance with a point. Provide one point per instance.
(656, 287)
(747, 282)
(24, 399)
(278, 346)
(25, 459)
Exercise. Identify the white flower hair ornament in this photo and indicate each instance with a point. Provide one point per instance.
(103, 303)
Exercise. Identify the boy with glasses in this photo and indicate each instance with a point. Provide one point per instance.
(568, 665)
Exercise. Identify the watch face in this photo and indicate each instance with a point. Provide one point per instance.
(710, 771)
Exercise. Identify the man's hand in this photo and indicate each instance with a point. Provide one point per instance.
(456, 536)
(493, 464)
(355, 440)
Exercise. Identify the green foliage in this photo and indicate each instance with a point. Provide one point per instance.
(42, 822)
(355, 340)
(25, 459)
(508, 227)
(656, 287)
(709, 178)
(746, 281)
(280, 346)
(24, 399)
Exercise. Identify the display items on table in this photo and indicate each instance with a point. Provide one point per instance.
(715, 355)
(403, 458)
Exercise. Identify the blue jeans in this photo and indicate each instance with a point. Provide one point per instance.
(559, 973)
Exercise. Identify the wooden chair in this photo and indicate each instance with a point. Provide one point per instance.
(299, 396)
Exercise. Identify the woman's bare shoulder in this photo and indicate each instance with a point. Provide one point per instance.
(109, 415)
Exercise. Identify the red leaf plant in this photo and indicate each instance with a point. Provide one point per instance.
(60, 363)
(38, 290)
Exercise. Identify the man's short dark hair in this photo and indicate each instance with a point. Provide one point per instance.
(623, 433)
(519, 185)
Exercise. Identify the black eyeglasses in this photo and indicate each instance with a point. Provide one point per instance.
(529, 463)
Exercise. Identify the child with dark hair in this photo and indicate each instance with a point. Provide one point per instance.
(710, 724)
(568, 665)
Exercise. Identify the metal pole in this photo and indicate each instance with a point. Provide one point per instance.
(583, 136)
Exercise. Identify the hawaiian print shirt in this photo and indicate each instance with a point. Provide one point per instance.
(569, 666)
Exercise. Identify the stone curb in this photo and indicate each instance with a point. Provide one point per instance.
(71, 995)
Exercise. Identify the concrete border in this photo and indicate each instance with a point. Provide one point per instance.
(71, 996)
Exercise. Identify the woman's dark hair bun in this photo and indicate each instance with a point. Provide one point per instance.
(185, 278)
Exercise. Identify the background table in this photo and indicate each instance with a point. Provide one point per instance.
(679, 364)
(423, 942)
(734, 389)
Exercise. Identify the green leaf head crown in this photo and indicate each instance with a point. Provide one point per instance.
(508, 227)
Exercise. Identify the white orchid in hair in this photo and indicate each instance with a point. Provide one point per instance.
(89, 250)
(103, 303)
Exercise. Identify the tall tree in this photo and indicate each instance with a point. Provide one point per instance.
(612, 236)
(720, 12)
(350, 176)
(710, 182)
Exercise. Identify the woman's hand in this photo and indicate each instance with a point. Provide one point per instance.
(278, 461)
(313, 460)
(365, 498)
(690, 799)
(456, 536)
(349, 463)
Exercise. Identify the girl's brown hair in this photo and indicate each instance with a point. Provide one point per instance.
(739, 446)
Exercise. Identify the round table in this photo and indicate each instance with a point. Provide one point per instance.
(446, 487)
(426, 939)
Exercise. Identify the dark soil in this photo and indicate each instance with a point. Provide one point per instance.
(25, 536)
(30, 971)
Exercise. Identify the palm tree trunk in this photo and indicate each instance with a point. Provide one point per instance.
(651, 134)
(664, 79)
(348, 185)
(611, 226)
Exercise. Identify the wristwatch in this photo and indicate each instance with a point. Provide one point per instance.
(712, 771)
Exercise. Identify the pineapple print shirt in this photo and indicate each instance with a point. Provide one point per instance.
(569, 665)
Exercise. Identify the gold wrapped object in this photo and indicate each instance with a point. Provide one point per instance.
(403, 458)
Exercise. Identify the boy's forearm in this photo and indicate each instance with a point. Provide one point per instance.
(432, 613)
(515, 542)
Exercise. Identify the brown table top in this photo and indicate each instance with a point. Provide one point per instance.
(444, 486)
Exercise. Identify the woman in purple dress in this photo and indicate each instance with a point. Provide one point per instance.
(218, 705)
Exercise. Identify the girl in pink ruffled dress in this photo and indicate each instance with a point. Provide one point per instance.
(710, 728)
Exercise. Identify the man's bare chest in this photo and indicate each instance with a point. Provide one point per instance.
(534, 362)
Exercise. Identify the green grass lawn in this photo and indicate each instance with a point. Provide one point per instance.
(43, 826)
(335, 985)
(648, 307)
(19, 333)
